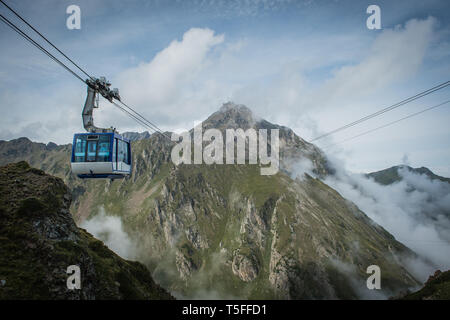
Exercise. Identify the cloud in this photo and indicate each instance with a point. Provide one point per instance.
(109, 229)
(358, 283)
(166, 83)
(415, 210)
(248, 8)
(405, 159)
(159, 80)
(395, 55)
(298, 168)
(54, 117)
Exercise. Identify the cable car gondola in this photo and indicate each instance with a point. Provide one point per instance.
(100, 153)
(92, 155)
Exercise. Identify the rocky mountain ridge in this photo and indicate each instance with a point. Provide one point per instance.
(135, 136)
(227, 231)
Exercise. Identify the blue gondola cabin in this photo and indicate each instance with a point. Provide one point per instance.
(101, 155)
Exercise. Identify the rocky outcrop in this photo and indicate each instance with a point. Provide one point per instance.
(246, 268)
(437, 287)
(184, 265)
(39, 241)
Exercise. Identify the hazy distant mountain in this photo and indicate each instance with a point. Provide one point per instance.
(391, 175)
(432, 190)
(135, 136)
(226, 231)
(52, 158)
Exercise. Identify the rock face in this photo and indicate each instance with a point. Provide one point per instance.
(229, 230)
(245, 268)
(39, 241)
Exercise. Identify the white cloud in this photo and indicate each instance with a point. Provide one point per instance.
(395, 55)
(420, 219)
(170, 79)
(358, 283)
(346, 91)
(54, 117)
(298, 168)
(109, 229)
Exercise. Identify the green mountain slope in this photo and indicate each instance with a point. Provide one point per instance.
(225, 231)
(39, 240)
(436, 288)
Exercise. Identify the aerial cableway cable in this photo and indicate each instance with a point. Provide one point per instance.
(139, 120)
(43, 37)
(391, 123)
(29, 39)
(148, 121)
(394, 106)
(37, 45)
(131, 112)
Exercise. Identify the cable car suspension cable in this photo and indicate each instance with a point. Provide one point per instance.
(43, 37)
(390, 123)
(37, 45)
(394, 106)
(148, 121)
(136, 116)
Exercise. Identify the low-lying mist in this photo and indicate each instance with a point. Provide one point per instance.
(416, 210)
(109, 229)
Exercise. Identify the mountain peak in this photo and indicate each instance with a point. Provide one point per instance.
(233, 107)
(232, 116)
(292, 147)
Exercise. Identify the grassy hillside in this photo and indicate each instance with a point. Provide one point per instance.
(225, 231)
(436, 288)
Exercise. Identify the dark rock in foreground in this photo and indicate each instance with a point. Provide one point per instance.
(39, 240)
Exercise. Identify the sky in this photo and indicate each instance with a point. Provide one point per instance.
(310, 65)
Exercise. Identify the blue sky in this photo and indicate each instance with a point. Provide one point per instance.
(310, 65)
